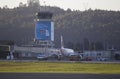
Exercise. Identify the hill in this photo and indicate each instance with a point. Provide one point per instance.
(91, 29)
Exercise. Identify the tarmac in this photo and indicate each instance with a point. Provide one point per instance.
(57, 76)
(114, 62)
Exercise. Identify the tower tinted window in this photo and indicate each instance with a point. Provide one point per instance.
(44, 15)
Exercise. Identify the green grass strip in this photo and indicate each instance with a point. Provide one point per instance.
(60, 67)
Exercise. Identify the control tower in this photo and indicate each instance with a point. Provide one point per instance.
(44, 29)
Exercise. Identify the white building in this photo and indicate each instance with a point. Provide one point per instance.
(30, 52)
(99, 55)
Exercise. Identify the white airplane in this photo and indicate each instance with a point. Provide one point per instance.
(66, 51)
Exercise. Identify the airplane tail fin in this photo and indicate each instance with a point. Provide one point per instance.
(62, 45)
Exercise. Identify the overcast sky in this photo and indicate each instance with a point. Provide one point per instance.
(72, 4)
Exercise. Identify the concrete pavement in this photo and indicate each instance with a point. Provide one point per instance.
(57, 76)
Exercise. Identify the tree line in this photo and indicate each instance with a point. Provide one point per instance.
(88, 30)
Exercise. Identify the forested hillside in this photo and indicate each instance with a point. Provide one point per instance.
(91, 29)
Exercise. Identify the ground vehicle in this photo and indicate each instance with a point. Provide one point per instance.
(42, 57)
(102, 59)
(74, 57)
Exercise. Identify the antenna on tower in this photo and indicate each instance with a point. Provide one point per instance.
(33, 3)
(45, 6)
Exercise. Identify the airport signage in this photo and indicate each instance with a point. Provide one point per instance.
(44, 30)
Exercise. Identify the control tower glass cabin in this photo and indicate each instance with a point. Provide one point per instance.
(44, 15)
